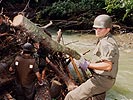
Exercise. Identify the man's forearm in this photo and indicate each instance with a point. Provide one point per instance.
(38, 76)
(105, 65)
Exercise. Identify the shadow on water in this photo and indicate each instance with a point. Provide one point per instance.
(123, 88)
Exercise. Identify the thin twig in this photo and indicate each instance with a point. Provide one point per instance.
(71, 42)
(1, 11)
(49, 24)
(27, 5)
(86, 52)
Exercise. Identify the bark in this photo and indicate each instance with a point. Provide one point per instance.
(37, 33)
(55, 89)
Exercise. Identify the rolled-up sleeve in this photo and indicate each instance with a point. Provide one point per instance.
(107, 52)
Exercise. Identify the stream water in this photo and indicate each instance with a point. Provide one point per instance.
(123, 88)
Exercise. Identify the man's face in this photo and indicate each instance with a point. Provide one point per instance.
(101, 32)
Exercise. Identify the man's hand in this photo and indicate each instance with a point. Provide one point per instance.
(47, 60)
(83, 64)
(40, 83)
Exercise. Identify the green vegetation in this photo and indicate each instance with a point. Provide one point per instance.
(67, 8)
(118, 6)
(64, 9)
(122, 10)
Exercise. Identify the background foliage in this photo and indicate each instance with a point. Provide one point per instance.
(67, 8)
(121, 10)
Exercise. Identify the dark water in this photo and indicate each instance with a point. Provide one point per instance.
(123, 88)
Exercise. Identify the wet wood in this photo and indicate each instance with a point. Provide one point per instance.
(59, 35)
(77, 71)
(37, 33)
(55, 89)
(43, 92)
(68, 81)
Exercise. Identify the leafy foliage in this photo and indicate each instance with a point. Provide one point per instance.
(67, 8)
(82, 9)
(117, 5)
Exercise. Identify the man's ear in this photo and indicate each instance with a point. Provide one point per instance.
(108, 29)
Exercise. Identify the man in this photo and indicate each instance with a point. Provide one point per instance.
(42, 55)
(104, 65)
(26, 71)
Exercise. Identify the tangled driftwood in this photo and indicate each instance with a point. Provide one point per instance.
(58, 80)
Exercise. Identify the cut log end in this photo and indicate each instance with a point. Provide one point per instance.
(17, 21)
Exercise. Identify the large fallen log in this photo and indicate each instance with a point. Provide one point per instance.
(37, 33)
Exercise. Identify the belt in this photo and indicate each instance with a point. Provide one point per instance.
(106, 76)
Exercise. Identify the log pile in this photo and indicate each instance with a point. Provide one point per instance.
(58, 78)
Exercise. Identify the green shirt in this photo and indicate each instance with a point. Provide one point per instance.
(107, 49)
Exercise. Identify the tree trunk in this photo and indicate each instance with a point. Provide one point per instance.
(37, 33)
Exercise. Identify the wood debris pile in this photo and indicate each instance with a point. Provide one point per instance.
(58, 78)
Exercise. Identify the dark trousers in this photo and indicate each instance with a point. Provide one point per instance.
(25, 92)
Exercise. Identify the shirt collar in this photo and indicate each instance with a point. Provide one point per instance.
(108, 34)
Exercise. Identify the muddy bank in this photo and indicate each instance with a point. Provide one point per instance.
(125, 40)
